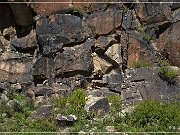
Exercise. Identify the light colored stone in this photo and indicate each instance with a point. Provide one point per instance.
(11, 103)
(16, 86)
(9, 31)
(177, 81)
(100, 65)
(4, 98)
(110, 129)
(114, 53)
(12, 55)
(15, 67)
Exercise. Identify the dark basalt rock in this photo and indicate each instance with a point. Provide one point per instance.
(60, 28)
(100, 105)
(129, 20)
(43, 112)
(43, 69)
(66, 120)
(152, 12)
(3, 86)
(168, 44)
(114, 80)
(75, 80)
(103, 22)
(25, 43)
(175, 5)
(103, 42)
(7, 17)
(148, 82)
(43, 90)
(95, 47)
(79, 57)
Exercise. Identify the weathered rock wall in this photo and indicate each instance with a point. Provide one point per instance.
(54, 48)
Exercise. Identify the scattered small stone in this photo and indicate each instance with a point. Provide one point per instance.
(81, 132)
(127, 110)
(110, 128)
(4, 98)
(16, 86)
(66, 120)
(11, 103)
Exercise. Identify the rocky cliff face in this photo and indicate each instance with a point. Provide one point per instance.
(52, 49)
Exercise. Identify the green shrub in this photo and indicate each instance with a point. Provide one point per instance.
(116, 104)
(79, 11)
(147, 37)
(77, 100)
(168, 74)
(141, 63)
(148, 116)
(155, 116)
(73, 104)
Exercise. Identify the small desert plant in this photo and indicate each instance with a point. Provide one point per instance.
(141, 63)
(168, 74)
(115, 101)
(147, 37)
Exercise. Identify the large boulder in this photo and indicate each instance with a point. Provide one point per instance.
(97, 105)
(59, 29)
(67, 27)
(145, 83)
(103, 22)
(140, 51)
(114, 79)
(129, 20)
(15, 72)
(168, 44)
(7, 17)
(75, 59)
(24, 18)
(152, 12)
(43, 111)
